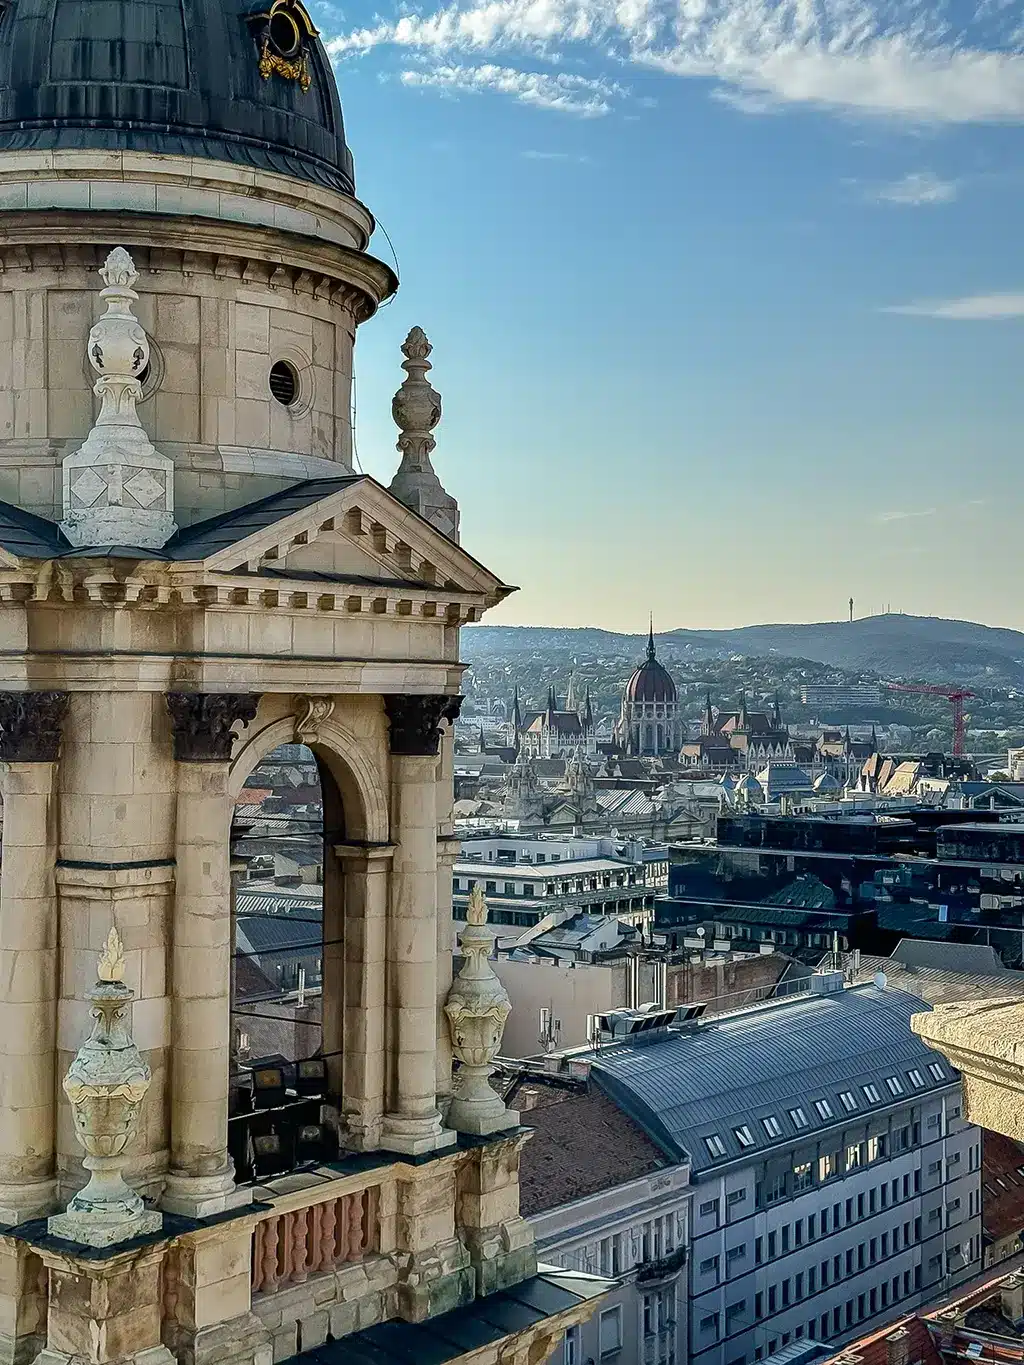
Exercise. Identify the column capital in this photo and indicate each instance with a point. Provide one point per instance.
(30, 726)
(202, 723)
(415, 722)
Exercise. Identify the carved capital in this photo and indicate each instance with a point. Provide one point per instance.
(202, 723)
(311, 714)
(30, 726)
(416, 723)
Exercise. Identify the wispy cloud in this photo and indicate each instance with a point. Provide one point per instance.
(928, 61)
(915, 189)
(580, 95)
(531, 154)
(972, 308)
(907, 516)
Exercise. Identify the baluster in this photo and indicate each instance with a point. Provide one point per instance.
(257, 1258)
(355, 1227)
(341, 1229)
(372, 1239)
(313, 1254)
(299, 1236)
(328, 1223)
(286, 1229)
(271, 1240)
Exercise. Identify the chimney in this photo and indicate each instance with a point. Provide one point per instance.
(897, 1347)
(1011, 1296)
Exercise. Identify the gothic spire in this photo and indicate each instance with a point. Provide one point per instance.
(517, 715)
(709, 716)
(777, 712)
(650, 639)
(588, 712)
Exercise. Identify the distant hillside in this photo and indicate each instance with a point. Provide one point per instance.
(891, 646)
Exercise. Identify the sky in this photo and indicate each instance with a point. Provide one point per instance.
(726, 296)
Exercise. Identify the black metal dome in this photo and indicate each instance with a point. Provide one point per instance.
(218, 79)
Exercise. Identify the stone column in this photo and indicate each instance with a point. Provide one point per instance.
(355, 1025)
(447, 851)
(29, 748)
(412, 1123)
(202, 1177)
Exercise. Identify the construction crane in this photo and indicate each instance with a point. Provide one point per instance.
(956, 696)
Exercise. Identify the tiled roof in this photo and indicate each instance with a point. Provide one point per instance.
(617, 1149)
(775, 1061)
(1002, 1186)
(874, 1349)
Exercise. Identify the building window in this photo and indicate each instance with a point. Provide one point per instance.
(876, 1147)
(715, 1145)
(824, 1109)
(611, 1331)
(853, 1156)
(915, 1078)
(710, 1266)
(871, 1093)
(744, 1136)
(735, 1254)
(803, 1177)
(799, 1117)
(571, 1355)
(848, 1099)
(772, 1126)
(828, 1166)
(709, 1208)
(893, 1082)
(735, 1197)
(936, 1071)
(709, 1325)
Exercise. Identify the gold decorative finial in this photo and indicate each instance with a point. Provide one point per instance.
(476, 910)
(111, 966)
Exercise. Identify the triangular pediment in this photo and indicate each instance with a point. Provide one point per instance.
(355, 532)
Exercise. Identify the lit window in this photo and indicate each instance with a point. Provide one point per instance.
(895, 1088)
(824, 1109)
(772, 1126)
(715, 1145)
(848, 1099)
(853, 1156)
(803, 1177)
(934, 1069)
(915, 1078)
(871, 1093)
(744, 1136)
(799, 1117)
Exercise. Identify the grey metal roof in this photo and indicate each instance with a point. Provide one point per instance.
(740, 1069)
(173, 78)
(204, 538)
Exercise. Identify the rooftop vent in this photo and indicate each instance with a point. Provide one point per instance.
(826, 983)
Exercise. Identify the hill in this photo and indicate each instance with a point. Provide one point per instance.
(890, 646)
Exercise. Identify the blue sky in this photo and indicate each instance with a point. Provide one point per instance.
(726, 296)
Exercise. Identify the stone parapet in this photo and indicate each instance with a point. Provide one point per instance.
(985, 1042)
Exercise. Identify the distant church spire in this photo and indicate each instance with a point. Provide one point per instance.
(650, 639)
(588, 712)
(517, 715)
(777, 712)
(709, 716)
(742, 718)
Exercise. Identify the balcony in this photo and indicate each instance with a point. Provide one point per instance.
(650, 1272)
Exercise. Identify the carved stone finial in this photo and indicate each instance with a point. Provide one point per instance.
(416, 408)
(105, 1085)
(111, 966)
(118, 489)
(203, 723)
(477, 1009)
(30, 726)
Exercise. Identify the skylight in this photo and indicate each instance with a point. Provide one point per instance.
(772, 1126)
(744, 1136)
(824, 1109)
(799, 1117)
(849, 1100)
(715, 1145)
(895, 1088)
(871, 1093)
(936, 1071)
(915, 1078)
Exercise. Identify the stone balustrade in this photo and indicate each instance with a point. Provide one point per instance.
(290, 1247)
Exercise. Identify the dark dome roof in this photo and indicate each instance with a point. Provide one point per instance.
(172, 76)
(651, 681)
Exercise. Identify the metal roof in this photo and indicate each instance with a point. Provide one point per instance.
(484, 1322)
(738, 1070)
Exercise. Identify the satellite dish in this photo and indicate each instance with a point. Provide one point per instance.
(881, 980)
(701, 932)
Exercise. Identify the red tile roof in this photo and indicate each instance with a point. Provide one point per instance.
(1002, 1185)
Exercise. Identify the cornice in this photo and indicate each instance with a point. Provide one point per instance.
(256, 256)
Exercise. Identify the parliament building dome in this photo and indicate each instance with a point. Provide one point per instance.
(211, 79)
(651, 682)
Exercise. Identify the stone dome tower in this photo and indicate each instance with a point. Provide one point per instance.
(206, 139)
(649, 722)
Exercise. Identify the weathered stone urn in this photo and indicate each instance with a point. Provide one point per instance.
(106, 1084)
(477, 1009)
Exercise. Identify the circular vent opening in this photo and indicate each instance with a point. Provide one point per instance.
(284, 383)
(284, 34)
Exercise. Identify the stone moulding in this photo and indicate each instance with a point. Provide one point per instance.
(985, 1042)
(30, 726)
(202, 723)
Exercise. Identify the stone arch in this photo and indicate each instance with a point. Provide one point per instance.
(359, 783)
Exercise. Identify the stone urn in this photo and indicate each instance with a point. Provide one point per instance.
(477, 1009)
(106, 1084)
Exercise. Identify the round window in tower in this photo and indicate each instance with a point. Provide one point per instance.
(284, 383)
(284, 33)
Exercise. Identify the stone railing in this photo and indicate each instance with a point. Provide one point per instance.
(290, 1246)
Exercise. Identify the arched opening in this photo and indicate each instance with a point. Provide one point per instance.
(287, 918)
